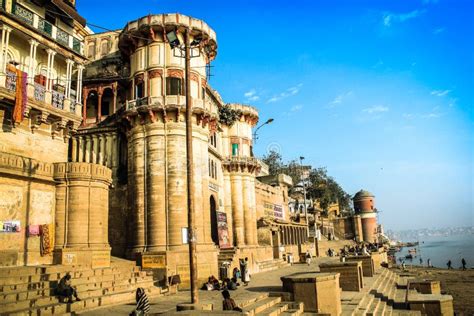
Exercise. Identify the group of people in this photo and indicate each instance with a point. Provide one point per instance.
(463, 264)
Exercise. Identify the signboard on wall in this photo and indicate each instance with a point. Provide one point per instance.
(223, 230)
(278, 211)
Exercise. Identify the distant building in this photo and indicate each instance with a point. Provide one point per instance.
(364, 207)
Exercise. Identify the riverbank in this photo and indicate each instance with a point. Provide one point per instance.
(458, 283)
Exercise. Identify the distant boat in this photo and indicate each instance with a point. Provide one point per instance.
(412, 250)
(409, 256)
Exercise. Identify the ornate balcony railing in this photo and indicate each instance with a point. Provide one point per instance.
(39, 92)
(58, 100)
(24, 14)
(45, 27)
(72, 106)
(11, 81)
(50, 30)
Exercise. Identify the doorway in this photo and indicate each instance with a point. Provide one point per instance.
(214, 230)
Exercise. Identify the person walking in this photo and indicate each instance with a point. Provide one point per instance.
(449, 264)
(463, 262)
(429, 263)
(421, 261)
(308, 257)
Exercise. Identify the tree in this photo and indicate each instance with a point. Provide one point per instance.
(273, 161)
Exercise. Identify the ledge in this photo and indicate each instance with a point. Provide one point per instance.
(25, 167)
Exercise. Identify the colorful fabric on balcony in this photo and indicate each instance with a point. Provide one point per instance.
(21, 96)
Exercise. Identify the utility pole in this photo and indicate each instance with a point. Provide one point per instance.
(304, 197)
(190, 174)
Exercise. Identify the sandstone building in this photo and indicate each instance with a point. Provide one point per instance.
(93, 149)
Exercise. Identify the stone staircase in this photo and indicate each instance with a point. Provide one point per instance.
(383, 294)
(270, 265)
(273, 304)
(30, 290)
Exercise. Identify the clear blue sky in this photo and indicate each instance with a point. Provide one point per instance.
(379, 92)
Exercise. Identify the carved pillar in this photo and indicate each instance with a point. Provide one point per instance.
(69, 64)
(115, 97)
(95, 148)
(49, 71)
(99, 107)
(84, 107)
(248, 221)
(102, 152)
(73, 149)
(80, 149)
(6, 30)
(32, 60)
(237, 209)
(88, 148)
(80, 68)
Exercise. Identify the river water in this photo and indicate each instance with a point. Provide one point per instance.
(440, 249)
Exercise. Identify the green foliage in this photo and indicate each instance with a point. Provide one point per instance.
(319, 185)
(229, 116)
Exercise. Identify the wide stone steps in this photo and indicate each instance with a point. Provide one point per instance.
(272, 265)
(32, 292)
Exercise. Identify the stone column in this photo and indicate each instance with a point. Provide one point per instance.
(237, 209)
(136, 177)
(69, 64)
(87, 148)
(82, 202)
(80, 149)
(226, 196)
(115, 151)
(248, 219)
(95, 148)
(31, 62)
(99, 107)
(102, 151)
(73, 149)
(156, 200)
(80, 68)
(108, 151)
(253, 210)
(6, 30)
(205, 220)
(177, 182)
(50, 67)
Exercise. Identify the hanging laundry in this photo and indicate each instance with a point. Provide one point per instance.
(47, 239)
(21, 96)
(33, 230)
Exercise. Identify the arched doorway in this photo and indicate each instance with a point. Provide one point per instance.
(213, 210)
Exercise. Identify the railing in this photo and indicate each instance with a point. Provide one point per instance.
(72, 106)
(11, 81)
(58, 100)
(131, 104)
(39, 92)
(55, 33)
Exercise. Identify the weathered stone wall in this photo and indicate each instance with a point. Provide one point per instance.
(367, 264)
(350, 274)
(27, 195)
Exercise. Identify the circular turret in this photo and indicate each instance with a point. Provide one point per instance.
(363, 202)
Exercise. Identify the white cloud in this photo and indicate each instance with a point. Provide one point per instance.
(339, 99)
(438, 30)
(440, 93)
(296, 108)
(251, 95)
(408, 116)
(389, 17)
(285, 94)
(376, 109)
(432, 115)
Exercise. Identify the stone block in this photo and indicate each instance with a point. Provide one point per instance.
(350, 274)
(319, 292)
(431, 304)
(425, 286)
(367, 264)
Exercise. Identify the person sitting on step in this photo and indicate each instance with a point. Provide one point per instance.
(228, 304)
(143, 305)
(65, 290)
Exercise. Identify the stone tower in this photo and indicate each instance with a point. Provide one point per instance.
(364, 207)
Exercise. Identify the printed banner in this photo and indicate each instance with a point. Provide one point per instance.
(11, 227)
(223, 230)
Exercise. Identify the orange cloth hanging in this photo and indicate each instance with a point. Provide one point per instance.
(20, 96)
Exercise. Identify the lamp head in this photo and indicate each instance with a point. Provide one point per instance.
(269, 121)
(301, 158)
(173, 39)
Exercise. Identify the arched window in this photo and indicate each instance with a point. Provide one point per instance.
(174, 86)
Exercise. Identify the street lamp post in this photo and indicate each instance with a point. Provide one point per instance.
(260, 126)
(174, 43)
(304, 197)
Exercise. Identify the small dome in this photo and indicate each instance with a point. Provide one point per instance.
(362, 194)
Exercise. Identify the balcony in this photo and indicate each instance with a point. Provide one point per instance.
(44, 27)
(39, 95)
